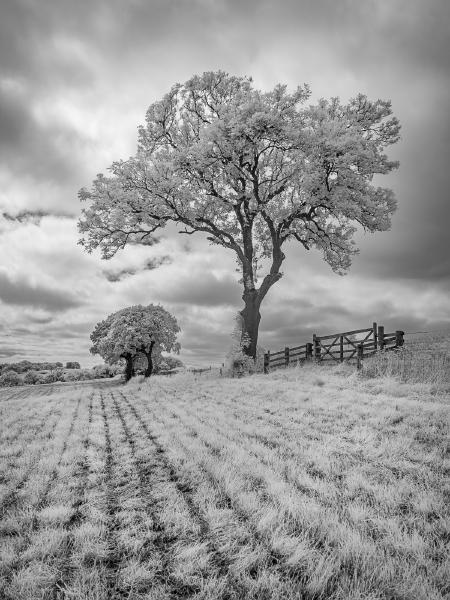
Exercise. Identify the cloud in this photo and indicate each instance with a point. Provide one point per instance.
(9, 351)
(31, 216)
(20, 292)
(42, 319)
(149, 265)
(202, 288)
(29, 143)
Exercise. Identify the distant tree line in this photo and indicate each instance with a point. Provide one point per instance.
(25, 365)
(13, 374)
(29, 373)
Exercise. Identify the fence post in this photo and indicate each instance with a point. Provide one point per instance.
(399, 341)
(309, 351)
(316, 343)
(374, 329)
(286, 356)
(266, 361)
(341, 348)
(381, 337)
(359, 356)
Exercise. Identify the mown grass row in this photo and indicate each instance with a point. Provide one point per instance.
(32, 530)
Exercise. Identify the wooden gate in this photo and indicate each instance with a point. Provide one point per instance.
(344, 346)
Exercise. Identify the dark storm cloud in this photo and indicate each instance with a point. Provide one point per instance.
(9, 351)
(21, 293)
(113, 31)
(426, 260)
(41, 320)
(27, 37)
(27, 146)
(31, 216)
(63, 52)
(81, 328)
(203, 343)
(114, 276)
(293, 322)
(203, 289)
(149, 265)
(413, 32)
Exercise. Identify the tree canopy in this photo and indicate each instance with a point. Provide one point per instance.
(252, 170)
(132, 330)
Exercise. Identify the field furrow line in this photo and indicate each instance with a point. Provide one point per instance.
(293, 461)
(241, 518)
(288, 448)
(185, 492)
(50, 481)
(213, 451)
(61, 586)
(247, 462)
(327, 533)
(10, 497)
(220, 560)
(287, 421)
(20, 425)
(62, 452)
(4, 396)
(232, 432)
(82, 475)
(113, 560)
(15, 395)
(147, 471)
(231, 445)
(153, 472)
(54, 472)
(25, 428)
(280, 546)
(28, 545)
(241, 440)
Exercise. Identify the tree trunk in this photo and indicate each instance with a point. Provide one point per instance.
(251, 318)
(129, 371)
(149, 369)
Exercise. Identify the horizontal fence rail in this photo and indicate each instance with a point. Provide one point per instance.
(338, 347)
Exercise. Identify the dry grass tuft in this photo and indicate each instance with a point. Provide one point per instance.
(425, 359)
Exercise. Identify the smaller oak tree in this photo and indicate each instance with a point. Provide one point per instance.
(133, 330)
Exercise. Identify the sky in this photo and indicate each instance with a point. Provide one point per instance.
(76, 79)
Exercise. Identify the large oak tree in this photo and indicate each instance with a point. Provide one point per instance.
(252, 170)
(135, 330)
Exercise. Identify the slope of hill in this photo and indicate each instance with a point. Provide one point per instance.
(306, 483)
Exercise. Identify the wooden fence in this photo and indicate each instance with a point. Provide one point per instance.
(338, 347)
(199, 371)
(195, 371)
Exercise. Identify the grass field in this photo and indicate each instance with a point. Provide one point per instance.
(307, 483)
